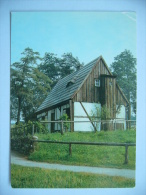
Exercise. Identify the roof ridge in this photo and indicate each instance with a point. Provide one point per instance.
(79, 69)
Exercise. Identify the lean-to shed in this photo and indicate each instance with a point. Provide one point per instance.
(79, 93)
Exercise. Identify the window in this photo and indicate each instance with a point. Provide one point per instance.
(73, 80)
(69, 84)
(97, 83)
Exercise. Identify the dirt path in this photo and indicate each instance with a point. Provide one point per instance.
(21, 160)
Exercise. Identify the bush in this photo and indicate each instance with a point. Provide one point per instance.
(66, 125)
(21, 136)
(22, 144)
(40, 127)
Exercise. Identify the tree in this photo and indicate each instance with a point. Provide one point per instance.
(56, 68)
(29, 86)
(124, 66)
(69, 64)
(50, 66)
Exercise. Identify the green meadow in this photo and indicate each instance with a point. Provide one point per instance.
(24, 177)
(87, 155)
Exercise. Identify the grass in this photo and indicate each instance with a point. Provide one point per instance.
(102, 156)
(24, 177)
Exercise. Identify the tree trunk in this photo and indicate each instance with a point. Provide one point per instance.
(19, 110)
(129, 111)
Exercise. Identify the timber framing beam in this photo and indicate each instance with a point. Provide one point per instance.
(88, 116)
(71, 105)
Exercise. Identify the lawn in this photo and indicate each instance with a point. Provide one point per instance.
(24, 177)
(102, 156)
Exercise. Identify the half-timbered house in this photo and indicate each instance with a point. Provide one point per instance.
(78, 94)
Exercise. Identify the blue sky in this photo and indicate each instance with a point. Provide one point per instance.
(85, 34)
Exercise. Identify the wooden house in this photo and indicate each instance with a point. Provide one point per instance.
(78, 94)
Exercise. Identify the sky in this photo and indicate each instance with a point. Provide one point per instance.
(86, 35)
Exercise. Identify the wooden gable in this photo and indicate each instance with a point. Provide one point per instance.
(88, 92)
(108, 93)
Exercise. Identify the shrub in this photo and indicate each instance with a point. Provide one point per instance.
(40, 127)
(22, 144)
(21, 136)
(66, 125)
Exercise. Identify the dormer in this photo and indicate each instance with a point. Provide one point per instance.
(72, 81)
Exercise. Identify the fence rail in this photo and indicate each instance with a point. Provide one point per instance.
(115, 120)
(126, 145)
(112, 124)
(70, 143)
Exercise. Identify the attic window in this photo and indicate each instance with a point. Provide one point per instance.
(72, 81)
(69, 84)
(97, 82)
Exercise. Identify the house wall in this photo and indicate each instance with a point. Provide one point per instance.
(88, 92)
(121, 116)
(80, 115)
(58, 113)
(49, 119)
(108, 94)
(119, 97)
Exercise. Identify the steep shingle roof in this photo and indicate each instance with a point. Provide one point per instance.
(66, 87)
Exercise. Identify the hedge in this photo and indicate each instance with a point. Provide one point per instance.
(21, 136)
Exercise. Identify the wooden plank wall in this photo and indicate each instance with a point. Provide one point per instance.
(119, 98)
(110, 95)
(88, 91)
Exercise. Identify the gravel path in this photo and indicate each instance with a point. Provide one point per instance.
(21, 160)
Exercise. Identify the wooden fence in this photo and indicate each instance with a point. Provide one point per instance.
(126, 145)
(114, 123)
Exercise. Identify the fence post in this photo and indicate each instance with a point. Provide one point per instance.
(113, 125)
(61, 127)
(32, 129)
(70, 149)
(34, 144)
(126, 154)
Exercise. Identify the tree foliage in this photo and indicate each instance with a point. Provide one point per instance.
(56, 68)
(29, 86)
(69, 64)
(124, 66)
(50, 67)
(32, 78)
